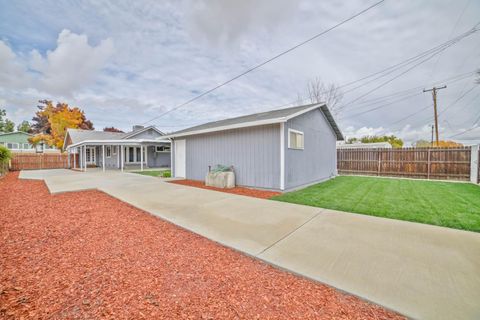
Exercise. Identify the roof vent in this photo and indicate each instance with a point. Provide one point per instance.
(137, 127)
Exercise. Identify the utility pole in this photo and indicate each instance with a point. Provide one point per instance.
(434, 96)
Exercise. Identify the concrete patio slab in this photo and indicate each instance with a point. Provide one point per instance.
(421, 271)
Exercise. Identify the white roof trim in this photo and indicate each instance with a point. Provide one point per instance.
(7, 133)
(134, 133)
(245, 124)
(228, 127)
(117, 142)
(65, 140)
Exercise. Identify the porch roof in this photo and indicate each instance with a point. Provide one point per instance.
(132, 142)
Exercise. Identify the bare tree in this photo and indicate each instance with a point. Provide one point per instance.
(330, 94)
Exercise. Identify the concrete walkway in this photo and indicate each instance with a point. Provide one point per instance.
(421, 271)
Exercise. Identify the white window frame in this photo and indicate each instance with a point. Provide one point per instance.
(290, 143)
(164, 151)
(108, 151)
(14, 145)
(26, 146)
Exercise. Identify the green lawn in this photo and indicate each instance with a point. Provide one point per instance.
(448, 204)
(153, 173)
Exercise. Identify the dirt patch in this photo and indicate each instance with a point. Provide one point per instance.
(263, 194)
(86, 255)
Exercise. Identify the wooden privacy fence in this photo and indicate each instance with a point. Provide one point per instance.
(26, 161)
(425, 163)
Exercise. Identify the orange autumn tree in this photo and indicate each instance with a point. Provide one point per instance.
(51, 123)
(448, 144)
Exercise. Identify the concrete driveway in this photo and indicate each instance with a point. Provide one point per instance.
(421, 271)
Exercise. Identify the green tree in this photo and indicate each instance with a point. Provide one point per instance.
(393, 140)
(9, 126)
(6, 125)
(422, 144)
(25, 127)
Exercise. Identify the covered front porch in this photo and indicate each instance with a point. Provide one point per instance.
(119, 155)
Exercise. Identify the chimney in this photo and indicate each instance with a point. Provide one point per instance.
(137, 127)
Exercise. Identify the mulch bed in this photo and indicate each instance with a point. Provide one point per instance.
(86, 255)
(263, 194)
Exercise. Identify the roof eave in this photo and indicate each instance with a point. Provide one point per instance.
(228, 127)
(115, 142)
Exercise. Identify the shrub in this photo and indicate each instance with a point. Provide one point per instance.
(5, 156)
(221, 168)
(167, 174)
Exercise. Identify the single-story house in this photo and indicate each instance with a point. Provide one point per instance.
(359, 145)
(282, 149)
(18, 142)
(141, 148)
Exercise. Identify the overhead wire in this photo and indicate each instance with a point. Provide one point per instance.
(268, 60)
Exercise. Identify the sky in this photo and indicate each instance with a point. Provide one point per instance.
(127, 62)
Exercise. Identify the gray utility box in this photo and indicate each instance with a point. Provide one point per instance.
(224, 180)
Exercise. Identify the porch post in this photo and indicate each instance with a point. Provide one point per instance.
(103, 157)
(85, 158)
(118, 157)
(69, 164)
(75, 159)
(141, 157)
(146, 156)
(121, 158)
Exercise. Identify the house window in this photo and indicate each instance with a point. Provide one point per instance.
(27, 146)
(162, 149)
(295, 139)
(13, 146)
(114, 150)
(108, 151)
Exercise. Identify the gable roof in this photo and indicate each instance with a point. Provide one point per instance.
(256, 119)
(136, 132)
(79, 135)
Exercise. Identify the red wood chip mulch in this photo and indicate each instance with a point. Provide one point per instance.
(264, 194)
(86, 255)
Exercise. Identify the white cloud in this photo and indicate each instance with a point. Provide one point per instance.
(72, 65)
(13, 74)
(160, 60)
(223, 22)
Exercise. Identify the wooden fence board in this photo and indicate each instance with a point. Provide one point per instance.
(425, 163)
(31, 161)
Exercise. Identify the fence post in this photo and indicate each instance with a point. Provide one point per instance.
(474, 153)
(428, 163)
(379, 162)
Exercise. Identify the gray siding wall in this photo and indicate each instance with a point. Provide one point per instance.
(316, 162)
(109, 162)
(254, 152)
(154, 159)
(157, 159)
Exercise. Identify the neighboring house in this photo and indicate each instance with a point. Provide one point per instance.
(18, 142)
(141, 148)
(280, 150)
(358, 145)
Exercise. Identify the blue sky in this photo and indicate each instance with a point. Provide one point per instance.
(126, 62)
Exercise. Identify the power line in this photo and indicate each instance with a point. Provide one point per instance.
(451, 42)
(467, 3)
(473, 127)
(268, 61)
